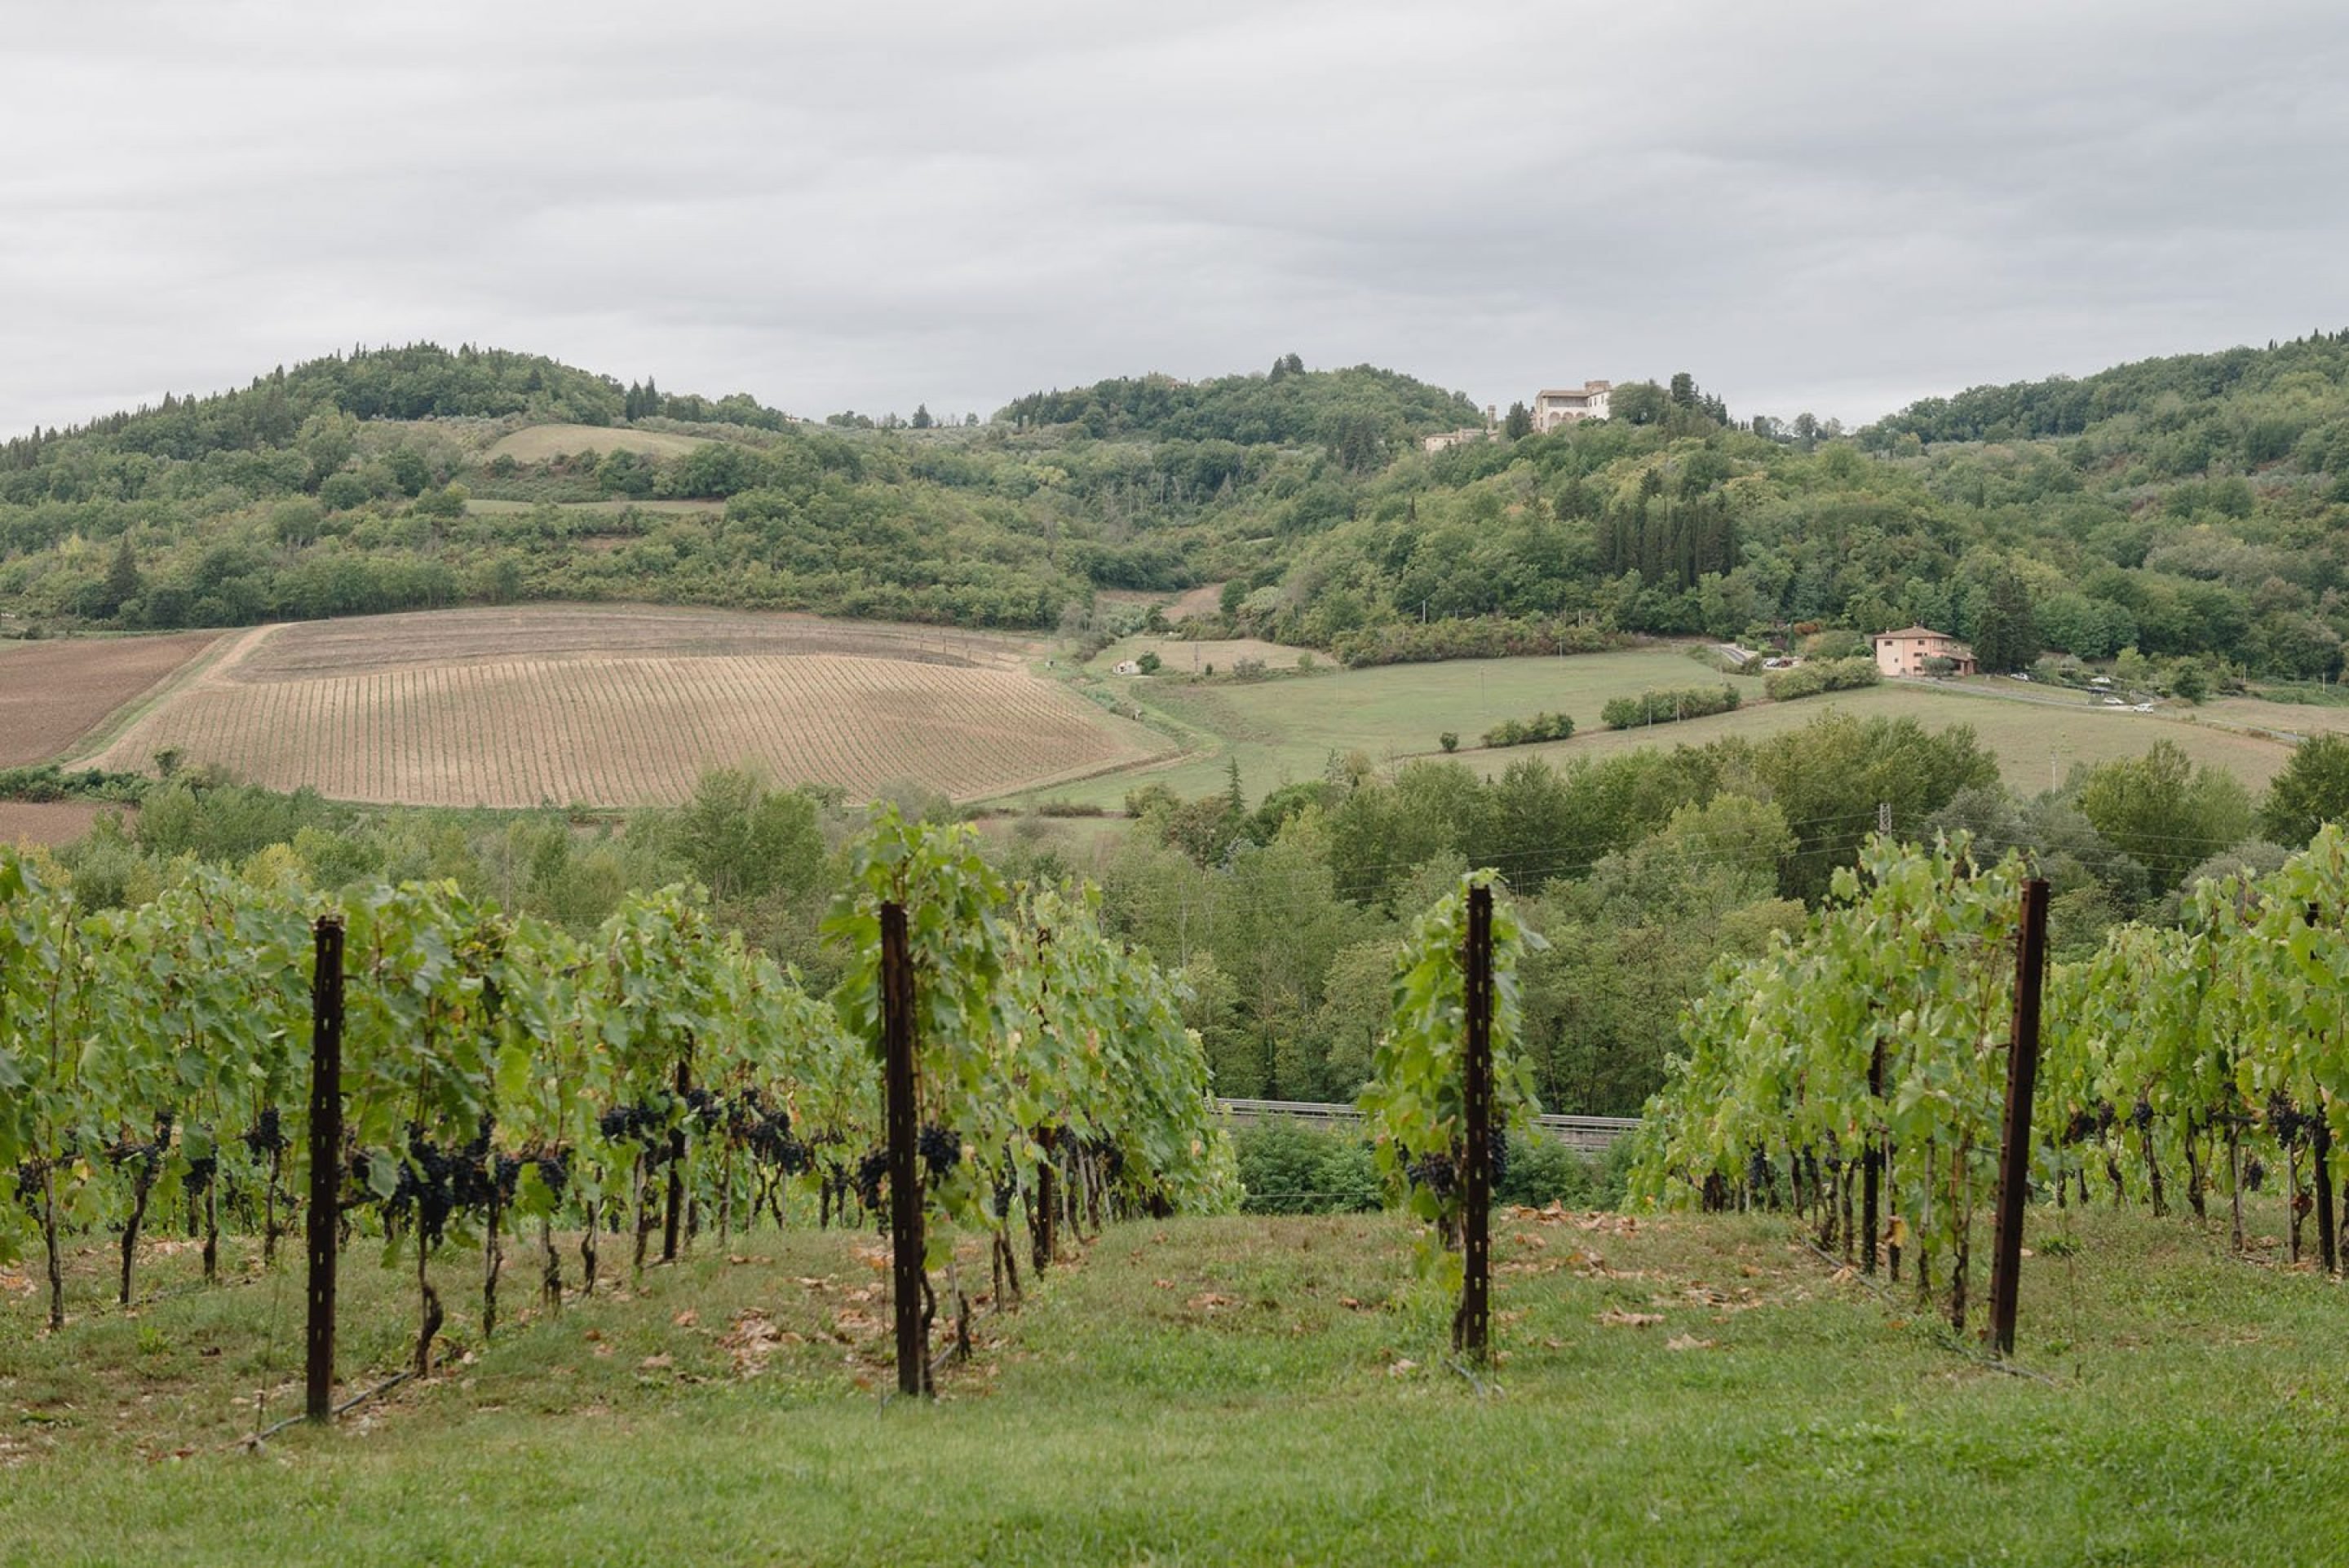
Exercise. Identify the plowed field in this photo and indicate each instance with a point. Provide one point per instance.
(624, 706)
(54, 693)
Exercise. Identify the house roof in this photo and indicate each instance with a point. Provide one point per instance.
(1916, 632)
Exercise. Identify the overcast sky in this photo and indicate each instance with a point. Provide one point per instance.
(1833, 207)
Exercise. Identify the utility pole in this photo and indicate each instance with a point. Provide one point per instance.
(1884, 817)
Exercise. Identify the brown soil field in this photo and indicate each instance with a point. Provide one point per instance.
(1203, 600)
(625, 706)
(55, 692)
(51, 822)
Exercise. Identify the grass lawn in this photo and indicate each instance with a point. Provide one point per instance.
(1224, 1390)
(2031, 740)
(1283, 730)
(537, 443)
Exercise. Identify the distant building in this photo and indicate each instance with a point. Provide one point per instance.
(1128, 668)
(1905, 652)
(1463, 436)
(1554, 407)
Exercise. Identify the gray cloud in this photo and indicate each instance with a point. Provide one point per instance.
(1836, 207)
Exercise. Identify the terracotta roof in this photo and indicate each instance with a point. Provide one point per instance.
(1916, 632)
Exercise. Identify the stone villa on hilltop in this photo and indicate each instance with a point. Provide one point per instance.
(1552, 406)
(1905, 652)
(1560, 406)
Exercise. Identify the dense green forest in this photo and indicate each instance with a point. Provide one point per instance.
(2191, 508)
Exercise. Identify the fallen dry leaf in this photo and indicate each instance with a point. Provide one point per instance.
(687, 1318)
(1616, 1317)
(1687, 1342)
(657, 1363)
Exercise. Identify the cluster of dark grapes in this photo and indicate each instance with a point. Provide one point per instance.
(766, 1132)
(147, 1155)
(2255, 1174)
(480, 1178)
(1110, 1156)
(871, 1171)
(1758, 1173)
(2141, 1114)
(199, 1175)
(28, 1183)
(706, 1109)
(633, 1123)
(1435, 1172)
(941, 1150)
(428, 1186)
(2093, 1123)
(2289, 1124)
(266, 1136)
(553, 1172)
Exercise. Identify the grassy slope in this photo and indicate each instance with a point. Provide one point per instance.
(1236, 1390)
(1283, 730)
(537, 443)
(601, 508)
(2023, 734)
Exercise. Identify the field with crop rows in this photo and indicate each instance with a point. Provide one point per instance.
(623, 706)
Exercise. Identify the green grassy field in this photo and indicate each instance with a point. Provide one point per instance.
(537, 443)
(1238, 1390)
(600, 508)
(1283, 730)
(2035, 742)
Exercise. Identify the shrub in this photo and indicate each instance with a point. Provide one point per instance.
(1526, 731)
(1148, 664)
(1287, 1167)
(46, 782)
(1486, 637)
(1667, 706)
(1449, 740)
(1541, 1170)
(1810, 680)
